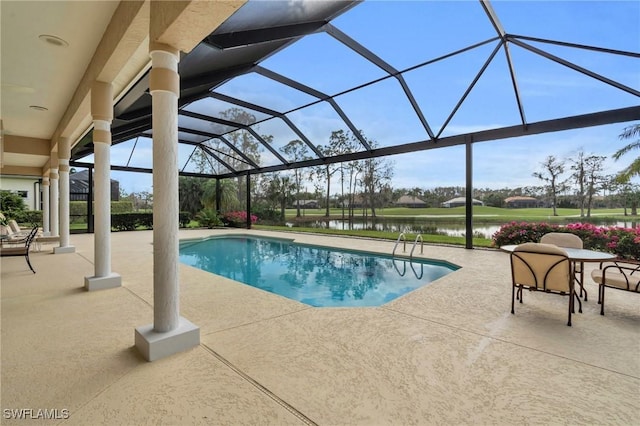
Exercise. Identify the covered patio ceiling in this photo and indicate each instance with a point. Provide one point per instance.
(301, 70)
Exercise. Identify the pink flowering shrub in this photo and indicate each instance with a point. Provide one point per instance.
(623, 242)
(522, 232)
(237, 219)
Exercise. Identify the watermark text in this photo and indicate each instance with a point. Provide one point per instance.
(35, 413)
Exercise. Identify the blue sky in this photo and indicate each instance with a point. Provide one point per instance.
(408, 33)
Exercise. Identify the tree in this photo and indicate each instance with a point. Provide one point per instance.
(335, 147)
(354, 168)
(633, 169)
(588, 177)
(593, 177)
(579, 177)
(630, 195)
(553, 168)
(276, 192)
(242, 139)
(297, 150)
(228, 195)
(10, 203)
(190, 190)
(377, 173)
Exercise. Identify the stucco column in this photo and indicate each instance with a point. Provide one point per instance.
(164, 87)
(53, 198)
(169, 333)
(46, 230)
(64, 153)
(102, 113)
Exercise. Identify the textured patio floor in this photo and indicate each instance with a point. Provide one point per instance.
(449, 353)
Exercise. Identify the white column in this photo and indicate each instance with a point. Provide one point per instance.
(46, 230)
(102, 112)
(165, 197)
(169, 333)
(64, 153)
(53, 201)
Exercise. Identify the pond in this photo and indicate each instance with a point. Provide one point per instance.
(423, 225)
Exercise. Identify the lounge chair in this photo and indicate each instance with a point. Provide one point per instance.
(21, 251)
(542, 267)
(619, 274)
(10, 237)
(15, 228)
(568, 240)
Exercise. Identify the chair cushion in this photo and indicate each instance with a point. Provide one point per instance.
(13, 251)
(541, 266)
(617, 279)
(48, 239)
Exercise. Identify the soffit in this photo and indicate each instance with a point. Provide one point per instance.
(41, 74)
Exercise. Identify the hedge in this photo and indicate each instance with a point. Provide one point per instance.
(623, 242)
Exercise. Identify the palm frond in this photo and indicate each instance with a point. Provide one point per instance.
(630, 132)
(622, 151)
(628, 172)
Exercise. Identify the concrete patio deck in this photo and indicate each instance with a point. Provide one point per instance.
(448, 353)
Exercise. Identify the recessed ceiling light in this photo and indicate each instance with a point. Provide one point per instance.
(54, 40)
(38, 108)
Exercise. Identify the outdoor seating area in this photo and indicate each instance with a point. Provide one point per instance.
(448, 353)
(542, 267)
(21, 250)
(620, 275)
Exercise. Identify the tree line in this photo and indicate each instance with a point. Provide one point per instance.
(577, 182)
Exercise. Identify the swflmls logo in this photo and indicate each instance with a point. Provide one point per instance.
(35, 414)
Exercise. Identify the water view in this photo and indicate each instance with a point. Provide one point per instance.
(422, 225)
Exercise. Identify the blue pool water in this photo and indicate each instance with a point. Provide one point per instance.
(314, 275)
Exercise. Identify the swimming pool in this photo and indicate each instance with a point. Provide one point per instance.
(317, 276)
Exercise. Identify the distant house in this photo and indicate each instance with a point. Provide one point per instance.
(521, 202)
(410, 201)
(79, 187)
(306, 204)
(358, 202)
(460, 202)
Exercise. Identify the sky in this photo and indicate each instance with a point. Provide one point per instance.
(405, 34)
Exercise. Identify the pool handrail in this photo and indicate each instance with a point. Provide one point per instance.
(414, 271)
(404, 249)
(418, 237)
(404, 269)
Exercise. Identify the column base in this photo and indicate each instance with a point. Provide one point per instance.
(67, 249)
(154, 345)
(112, 280)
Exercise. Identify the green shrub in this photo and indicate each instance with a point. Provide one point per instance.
(124, 206)
(11, 204)
(124, 221)
(27, 217)
(184, 218)
(208, 218)
(268, 216)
